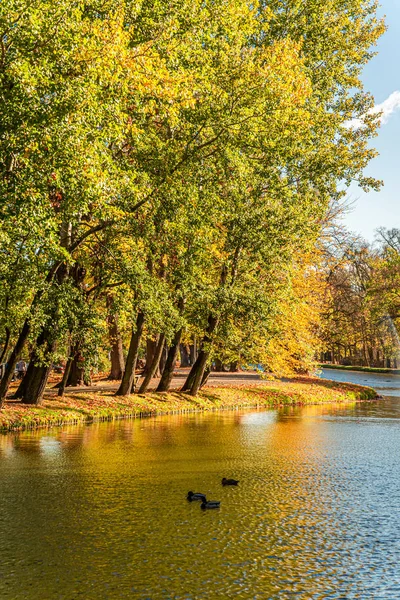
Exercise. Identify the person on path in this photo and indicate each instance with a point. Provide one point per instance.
(21, 369)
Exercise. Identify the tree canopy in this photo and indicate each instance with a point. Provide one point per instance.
(164, 172)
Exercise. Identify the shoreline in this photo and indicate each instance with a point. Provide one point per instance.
(360, 369)
(95, 407)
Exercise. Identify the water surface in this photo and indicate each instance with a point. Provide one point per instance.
(385, 384)
(99, 511)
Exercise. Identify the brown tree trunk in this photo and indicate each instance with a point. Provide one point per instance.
(185, 356)
(76, 375)
(12, 361)
(195, 376)
(190, 378)
(129, 374)
(154, 365)
(33, 393)
(163, 360)
(45, 346)
(193, 352)
(5, 346)
(200, 372)
(58, 269)
(170, 363)
(117, 352)
(24, 384)
(63, 383)
(150, 350)
(219, 367)
(234, 367)
(35, 380)
(206, 375)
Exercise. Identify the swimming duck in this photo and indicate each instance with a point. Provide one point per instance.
(210, 504)
(196, 496)
(229, 481)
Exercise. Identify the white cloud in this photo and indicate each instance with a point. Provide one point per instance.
(387, 108)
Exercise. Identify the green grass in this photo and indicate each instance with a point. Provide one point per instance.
(91, 407)
(362, 369)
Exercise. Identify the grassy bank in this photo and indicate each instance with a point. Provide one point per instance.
(362, 369)
(90, 407)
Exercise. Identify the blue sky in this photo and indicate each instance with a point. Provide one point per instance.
(382, 78)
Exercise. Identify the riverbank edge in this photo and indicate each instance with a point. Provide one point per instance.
(360, 369)
(94, 407)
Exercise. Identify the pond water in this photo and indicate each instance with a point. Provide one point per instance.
(385, 384)
(99, 511)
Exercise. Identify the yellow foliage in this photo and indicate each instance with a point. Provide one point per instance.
(292, 348)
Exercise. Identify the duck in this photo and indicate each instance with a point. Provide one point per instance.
(229, 481)
(196, 496)
(210, 504)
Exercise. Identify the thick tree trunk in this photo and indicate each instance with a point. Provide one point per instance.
(117, 352)
(12, 361)
(195, 376)
(154, 366)
(33, 393)
(234, 367)
(200, 372)
(150, 350)
(190, 378)
(170, 363)
(20, 391)
(129, 374)
(35, 380)
(76, 376)
(219, 367)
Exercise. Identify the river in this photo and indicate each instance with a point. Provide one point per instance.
(99, 511)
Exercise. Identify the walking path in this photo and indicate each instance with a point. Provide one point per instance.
(215, 380)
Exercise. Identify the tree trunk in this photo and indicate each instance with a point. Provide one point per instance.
(219, 367)
(21, 389)
(12, 361)
(195, 376)
(200, 372)
(190, 378)
(35, 380)
(163, 360)
(6, 342)
(129, 374)
(170, 363)
(234, 367)
(185, 356)
(58, 269)
(193, 352)
(76, 376)
(33, 393)
(206, 375)
(150, 350)
(154, 365)
(117, 353)
(46, 342)
(63, 383)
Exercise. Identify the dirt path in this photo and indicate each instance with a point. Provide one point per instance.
(215, 380)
